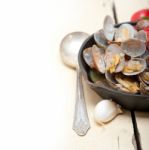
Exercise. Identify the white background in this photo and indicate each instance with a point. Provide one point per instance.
(28, 100)
(32, 81)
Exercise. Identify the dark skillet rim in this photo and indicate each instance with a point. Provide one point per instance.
(85, 74)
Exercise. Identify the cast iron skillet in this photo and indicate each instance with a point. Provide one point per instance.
(126, 100)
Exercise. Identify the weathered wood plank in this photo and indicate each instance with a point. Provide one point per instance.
(143, 124)
(85, 15)
(116, 135)
(125, 9)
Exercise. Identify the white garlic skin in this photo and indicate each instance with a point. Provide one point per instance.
(105, 111)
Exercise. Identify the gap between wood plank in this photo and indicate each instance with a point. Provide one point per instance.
(114, 12)
(136, 131)
(133, 117)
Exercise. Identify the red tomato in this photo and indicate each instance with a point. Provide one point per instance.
(146, 29)
(140, 14)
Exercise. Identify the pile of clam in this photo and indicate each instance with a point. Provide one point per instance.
(120, 54)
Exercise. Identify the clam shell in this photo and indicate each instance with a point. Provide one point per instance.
(142, 24)
(114, 58)
(111, 79)
(144, 77)
(145, 54)
(100, 39)
(144, 89)
(125, 32)
(98, 58)
(108, 28)
(146, 57)
(141, 35)
(133, 47)
(134, 66)
(114, 48)
(128, 83)
(87, 55)
(147, 60)
(122, 83)
(121, 65)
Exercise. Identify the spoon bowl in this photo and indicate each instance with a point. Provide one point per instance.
(69, 48)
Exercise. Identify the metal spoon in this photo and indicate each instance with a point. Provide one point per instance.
(69, 49)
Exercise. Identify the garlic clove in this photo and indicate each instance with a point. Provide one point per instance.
(105, 111)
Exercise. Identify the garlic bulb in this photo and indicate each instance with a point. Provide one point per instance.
(105, 111)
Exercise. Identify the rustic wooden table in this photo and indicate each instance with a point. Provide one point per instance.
(37, 91)
(123, 131)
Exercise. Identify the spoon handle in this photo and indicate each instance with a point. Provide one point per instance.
(81, 122)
